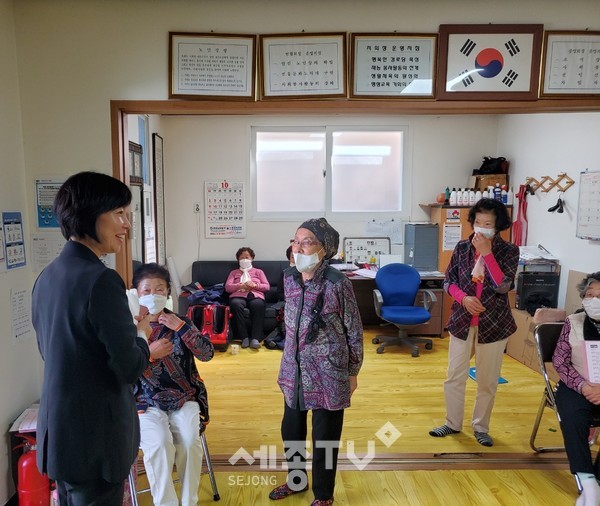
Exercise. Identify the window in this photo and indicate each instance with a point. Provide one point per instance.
(330, 171)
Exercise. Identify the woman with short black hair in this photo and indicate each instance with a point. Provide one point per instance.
(481, 273)
(88, 429)
(246, 287)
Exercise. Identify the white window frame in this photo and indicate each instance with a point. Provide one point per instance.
(403, 214)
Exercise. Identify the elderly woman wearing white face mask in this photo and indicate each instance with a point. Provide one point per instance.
(171, 397)
(578, 400)
(246, 287)
(322, 356)
(481, 273)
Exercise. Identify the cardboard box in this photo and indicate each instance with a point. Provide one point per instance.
(521, 345)
(482, 182)
(517, 346)
(572, 298)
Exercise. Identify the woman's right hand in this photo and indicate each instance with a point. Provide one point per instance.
(591, 391)
(161, 348)
(473, 305)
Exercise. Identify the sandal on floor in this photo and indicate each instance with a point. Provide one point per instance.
(483, 438)
(283, 491)
(442, 431)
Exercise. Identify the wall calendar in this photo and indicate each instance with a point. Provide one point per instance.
(588, 213)
(224, 208)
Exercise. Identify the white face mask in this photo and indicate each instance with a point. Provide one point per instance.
(486, 232)
(245, 263)
(591, 305)
(306, 263)
(154, 302)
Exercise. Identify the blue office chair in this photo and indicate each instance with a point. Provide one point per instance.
(394, 297)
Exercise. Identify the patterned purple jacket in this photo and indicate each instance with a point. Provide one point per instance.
(496, 322)
(322, 348)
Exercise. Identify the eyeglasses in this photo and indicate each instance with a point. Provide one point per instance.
(304, 243)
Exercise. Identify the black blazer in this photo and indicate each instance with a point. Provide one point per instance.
(87, 425)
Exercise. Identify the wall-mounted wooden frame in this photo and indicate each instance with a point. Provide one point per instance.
(571, 63)
(159, 198)
(489, 62)
(303, 65)
(385, 65)
(207, 65)
(135, 163)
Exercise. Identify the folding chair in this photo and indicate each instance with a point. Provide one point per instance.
(209, 467)
(546, 336)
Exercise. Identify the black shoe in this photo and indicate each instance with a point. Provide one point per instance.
(556, 206)
(245, 343)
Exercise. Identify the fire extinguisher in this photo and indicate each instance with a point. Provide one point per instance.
(33, 486)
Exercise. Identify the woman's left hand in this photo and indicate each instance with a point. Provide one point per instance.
(591, 391)
(353, 384)
(170, 320)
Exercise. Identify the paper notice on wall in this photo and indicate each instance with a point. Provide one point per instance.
(44, 249)
(451, 236)
(14, 243)
(2, 257)
(20, 302)
(385, 228)
(592, 360)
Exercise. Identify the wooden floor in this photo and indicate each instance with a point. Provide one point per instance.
(400, 395)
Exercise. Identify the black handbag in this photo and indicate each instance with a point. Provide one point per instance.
(491, 165)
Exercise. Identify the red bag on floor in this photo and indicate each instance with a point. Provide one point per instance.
(212, 319)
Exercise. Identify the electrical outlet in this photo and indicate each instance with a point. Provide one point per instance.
(197, 207)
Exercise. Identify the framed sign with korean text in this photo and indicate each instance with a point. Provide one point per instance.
(205, 65)
(387, 65)
(489, 62)
(303, 65)
(571, 63)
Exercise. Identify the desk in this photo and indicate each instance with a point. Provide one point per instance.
(363, 291)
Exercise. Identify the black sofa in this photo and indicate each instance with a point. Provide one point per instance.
(212, 272)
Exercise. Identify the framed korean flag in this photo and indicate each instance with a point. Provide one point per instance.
(489, 62)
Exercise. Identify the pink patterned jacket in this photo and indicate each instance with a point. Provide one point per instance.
(323, 346)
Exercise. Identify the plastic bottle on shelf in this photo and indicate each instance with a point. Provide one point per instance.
(447, 201)
(472, 197)
(485, 194)
(452, 198)
(510, 197)
(478, 195)
(459, 197)
(498, 192)
(504, 195)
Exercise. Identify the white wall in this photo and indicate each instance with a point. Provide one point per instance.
(442, 151)
(19, 362)
(546, 145)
